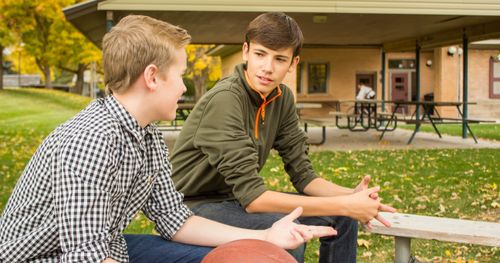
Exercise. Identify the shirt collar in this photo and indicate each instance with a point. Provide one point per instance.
(125, 119)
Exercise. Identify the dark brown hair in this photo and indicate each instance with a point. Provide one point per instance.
(275, 31)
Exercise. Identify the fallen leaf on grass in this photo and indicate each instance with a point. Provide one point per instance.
(363, 243)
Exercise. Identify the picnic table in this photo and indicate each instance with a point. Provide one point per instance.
(428, 108)
(364, 115)
(182, 113)
(361, 115)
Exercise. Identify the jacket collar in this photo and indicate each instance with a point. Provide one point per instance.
(254, 95)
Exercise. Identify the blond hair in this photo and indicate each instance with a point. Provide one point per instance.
(133, 44)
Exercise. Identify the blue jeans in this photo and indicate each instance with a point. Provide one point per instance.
(339, 248)
(155, 249)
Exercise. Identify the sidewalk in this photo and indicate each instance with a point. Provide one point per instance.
(345, 140)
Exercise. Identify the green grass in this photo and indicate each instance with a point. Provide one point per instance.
(484, 131)
(452, 183)
(26, 117)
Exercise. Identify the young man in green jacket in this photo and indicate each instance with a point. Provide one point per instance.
(228, 136)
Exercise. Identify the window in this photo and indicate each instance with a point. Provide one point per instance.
(495, 78)
(317, 78)
(298, 71)
(401, 64)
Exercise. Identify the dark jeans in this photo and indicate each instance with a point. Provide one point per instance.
(155, 249)
(339, 248)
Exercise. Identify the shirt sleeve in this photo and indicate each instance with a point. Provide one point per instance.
(222, 137)
(82, 182)
(291, 146)
(165, 205)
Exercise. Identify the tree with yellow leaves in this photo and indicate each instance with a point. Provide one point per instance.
(201, 68)
(50, 39)
(7, 38)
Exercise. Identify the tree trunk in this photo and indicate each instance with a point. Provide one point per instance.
(1, 67)
(200, 86)
(78, 89)
(46, 74)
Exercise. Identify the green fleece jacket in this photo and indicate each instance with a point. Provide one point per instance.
(219, 152)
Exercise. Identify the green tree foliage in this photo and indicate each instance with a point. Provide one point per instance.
(50, 39)
(76, 54)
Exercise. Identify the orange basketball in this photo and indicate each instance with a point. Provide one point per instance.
(248, 251)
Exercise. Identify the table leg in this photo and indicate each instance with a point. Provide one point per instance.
(403, 249)
(387, 125)
(417, 126)
(466, 124)
(323, 138)
(427, 112)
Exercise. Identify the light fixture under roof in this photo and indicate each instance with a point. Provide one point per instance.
(320, 19)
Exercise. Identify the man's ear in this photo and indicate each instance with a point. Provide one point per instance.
(295, 62)
(245, 49)
(151, 77)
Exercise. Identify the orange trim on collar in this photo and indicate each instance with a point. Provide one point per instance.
(262, 109)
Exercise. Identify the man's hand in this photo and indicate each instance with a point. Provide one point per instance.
(363, 185)
(365, 205)
(287, 234)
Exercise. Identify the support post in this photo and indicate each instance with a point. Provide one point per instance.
(382, 80)
(403, 249)
(465, 97)
(417, 73)
(109, 20)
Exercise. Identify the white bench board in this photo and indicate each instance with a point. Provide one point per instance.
(439, 228)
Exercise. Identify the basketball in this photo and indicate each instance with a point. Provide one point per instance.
(248, 251)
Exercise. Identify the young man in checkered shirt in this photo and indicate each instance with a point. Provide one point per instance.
(90, 177)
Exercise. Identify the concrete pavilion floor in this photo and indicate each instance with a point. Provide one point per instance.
(345, 140)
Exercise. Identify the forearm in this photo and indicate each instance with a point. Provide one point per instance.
(276, 202)
(109, 260)
(322, 187)
(204, 232)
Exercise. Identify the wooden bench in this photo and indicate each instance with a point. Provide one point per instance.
(408, 226)
(341, 114)
(439, 120)
(350, 120)
(323, 122)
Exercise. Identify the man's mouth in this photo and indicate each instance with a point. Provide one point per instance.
(264, 80)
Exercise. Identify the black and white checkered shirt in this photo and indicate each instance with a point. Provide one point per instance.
(84, 185)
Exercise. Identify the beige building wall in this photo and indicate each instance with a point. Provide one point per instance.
(479, 85)
(443, 77)
(449, 82)
(344, 64)
(229, 62)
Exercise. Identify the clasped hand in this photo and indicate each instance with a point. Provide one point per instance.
(368, 205)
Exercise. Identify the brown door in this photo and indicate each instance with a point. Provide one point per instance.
(399, 88)
(364, 78)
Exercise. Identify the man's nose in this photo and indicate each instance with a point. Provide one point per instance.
(268, 65)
